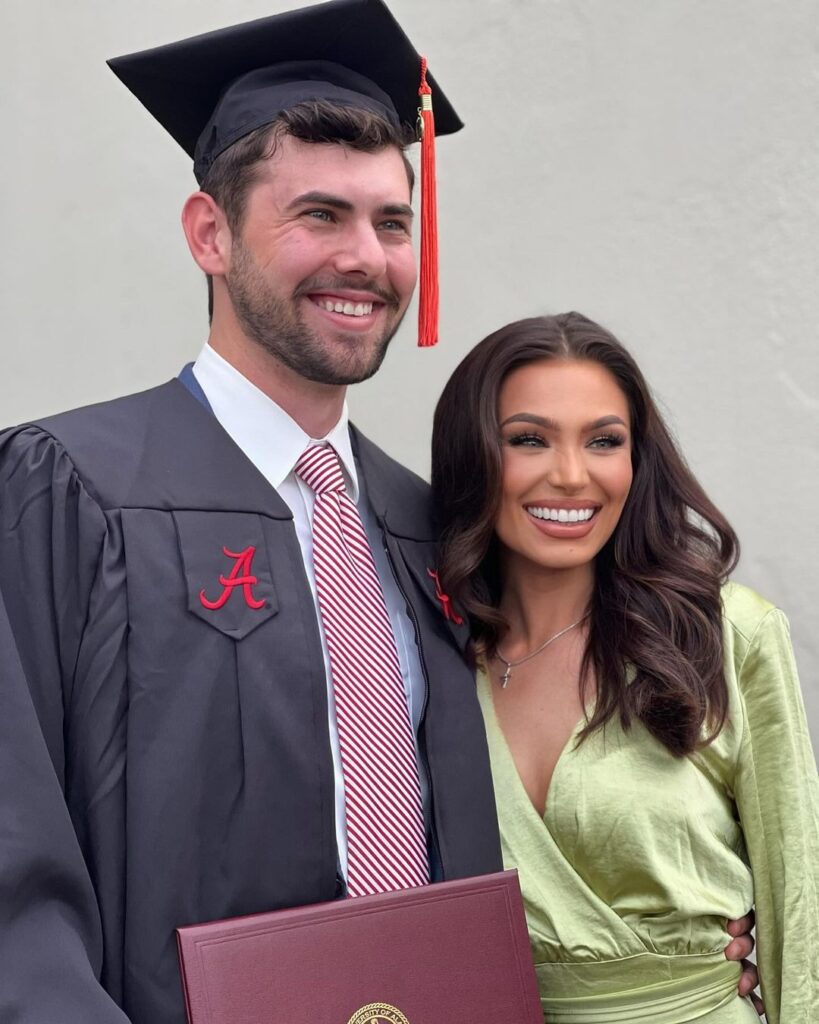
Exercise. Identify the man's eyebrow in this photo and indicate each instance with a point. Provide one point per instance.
(337, 203)
(547, 424)
(396, 210)
(321, 199)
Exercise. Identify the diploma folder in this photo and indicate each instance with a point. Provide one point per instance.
(451, 953)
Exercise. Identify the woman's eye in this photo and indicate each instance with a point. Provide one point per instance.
(607, 441)
(526, 441)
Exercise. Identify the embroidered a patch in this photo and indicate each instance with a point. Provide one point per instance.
(241, 575)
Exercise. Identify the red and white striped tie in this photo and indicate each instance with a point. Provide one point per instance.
(386, 846)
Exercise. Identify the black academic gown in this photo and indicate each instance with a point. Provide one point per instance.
(164, 762)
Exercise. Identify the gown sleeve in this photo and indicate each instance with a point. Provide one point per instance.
(51, 537)
(777, 796)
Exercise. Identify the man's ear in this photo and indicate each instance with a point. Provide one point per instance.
(207, 233)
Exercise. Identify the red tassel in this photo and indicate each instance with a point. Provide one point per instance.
(428, 287)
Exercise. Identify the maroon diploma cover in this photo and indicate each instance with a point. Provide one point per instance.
(451, 953)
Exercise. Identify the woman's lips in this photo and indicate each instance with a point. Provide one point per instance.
(565, 520)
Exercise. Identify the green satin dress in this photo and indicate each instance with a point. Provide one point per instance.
(640, 858)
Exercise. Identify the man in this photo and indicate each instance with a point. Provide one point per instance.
(179, 743)
(163, 583)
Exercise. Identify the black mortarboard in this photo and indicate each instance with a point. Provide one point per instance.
(211, 90)
(371, 63)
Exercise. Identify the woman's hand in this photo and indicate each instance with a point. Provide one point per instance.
(740, 948)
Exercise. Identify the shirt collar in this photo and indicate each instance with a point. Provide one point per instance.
(268, 436)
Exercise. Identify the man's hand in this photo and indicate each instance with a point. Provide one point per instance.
(739, 948)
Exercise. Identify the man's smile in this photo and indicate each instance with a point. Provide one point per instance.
(347, 302)
(348, 308)
(354, 311)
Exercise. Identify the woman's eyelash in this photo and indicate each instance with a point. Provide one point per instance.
(522, 439)
(535, 440)
(609, 440)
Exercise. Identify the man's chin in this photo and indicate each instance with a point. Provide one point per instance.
(346, 358)
(336, 358)
(348, 372)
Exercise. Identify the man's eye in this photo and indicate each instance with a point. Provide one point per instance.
(394, 225)
(319, 215)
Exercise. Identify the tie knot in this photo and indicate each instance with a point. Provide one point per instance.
(319, 468)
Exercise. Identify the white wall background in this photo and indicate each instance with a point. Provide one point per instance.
(651, 163)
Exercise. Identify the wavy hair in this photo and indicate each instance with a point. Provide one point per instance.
(654, 645)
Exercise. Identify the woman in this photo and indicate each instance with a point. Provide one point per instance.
(652, 765)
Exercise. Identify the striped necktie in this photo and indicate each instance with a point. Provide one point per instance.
(386, 847)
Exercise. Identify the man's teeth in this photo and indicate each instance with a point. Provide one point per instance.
(562, 515)
(349, 308)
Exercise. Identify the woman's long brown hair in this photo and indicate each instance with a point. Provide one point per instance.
(655, 608)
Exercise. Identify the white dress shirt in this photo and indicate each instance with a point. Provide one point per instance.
(273, 442)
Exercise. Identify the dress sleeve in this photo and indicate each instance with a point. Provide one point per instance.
(51, 534)
(777, 796)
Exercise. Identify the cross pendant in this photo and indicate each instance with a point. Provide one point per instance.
(506, 676)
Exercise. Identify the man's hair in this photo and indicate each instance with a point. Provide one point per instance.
(233, 173)
(655, 643)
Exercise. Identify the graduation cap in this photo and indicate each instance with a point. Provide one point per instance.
(211, 90)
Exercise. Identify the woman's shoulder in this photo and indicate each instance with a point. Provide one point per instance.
(755, 632)
(744, 611)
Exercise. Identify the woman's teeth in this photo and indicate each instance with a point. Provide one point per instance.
(348, 308)
(563, 515)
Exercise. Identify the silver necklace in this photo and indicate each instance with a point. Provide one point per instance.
(507, 675)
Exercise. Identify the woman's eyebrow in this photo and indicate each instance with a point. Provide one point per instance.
(605, 421)
(530, 417)
(547, 424)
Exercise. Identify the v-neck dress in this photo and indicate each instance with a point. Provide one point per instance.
(641, 857)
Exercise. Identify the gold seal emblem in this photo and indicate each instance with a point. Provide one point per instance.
(378, 1013)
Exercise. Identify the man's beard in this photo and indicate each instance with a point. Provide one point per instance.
(274, 324)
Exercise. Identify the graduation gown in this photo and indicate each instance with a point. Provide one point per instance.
(164, 761)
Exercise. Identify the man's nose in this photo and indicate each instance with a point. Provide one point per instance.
(360, 251)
